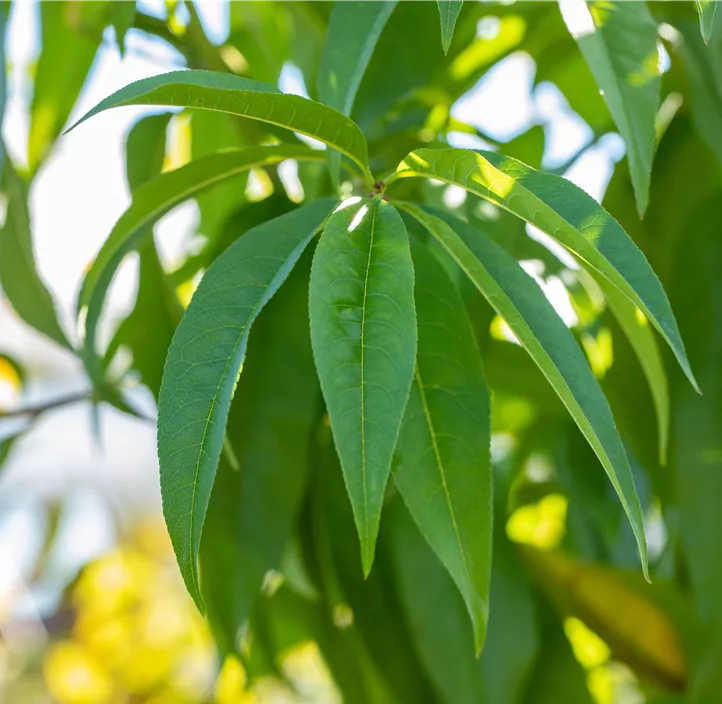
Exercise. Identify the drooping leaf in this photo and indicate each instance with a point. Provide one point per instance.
(564, 212)
(123, 14)
(209, 90)
(19, 276)
(448, 13)
(444, 469)
(517, 298)
(70, 39)
(639, 334)
(269, 429)
(620, 48)
(203, 364)
(150, 202)
(363, 329)
(353, 30)
(706, 10)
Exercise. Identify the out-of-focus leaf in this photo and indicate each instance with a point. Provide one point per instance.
(518, 299)
(567, 214)
(3, 80)
(363, 329)
(353, 30)
(70, 38)
(639, 334)
(634, 626)
(203, 364)
(19, 276)
(620, 48)
(448, 13)
(209, 90)
(150, 202)
(706, 10)
(269, 429)
(123, 14)
(444, 470)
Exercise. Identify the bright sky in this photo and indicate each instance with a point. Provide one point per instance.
(75, 200)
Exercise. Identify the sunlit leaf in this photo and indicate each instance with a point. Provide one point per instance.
(363, 329)
(151, 201)
(444, 469)
(19, 276)
(209, 90)
(448, 13)
(517, 298)
(619, 43)
(204, 361)
(706, 10)
(564, 212)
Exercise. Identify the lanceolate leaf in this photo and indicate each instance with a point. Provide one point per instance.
(19, 277)
(203, 364)
(123, 14)
(210, 90)
(444, 470)
(517, 298)
(150, 202)
(269, 429)
(363, 329)
(620, 49)
(639, 334)
(566, 213)
(706, 10)
(448, 13)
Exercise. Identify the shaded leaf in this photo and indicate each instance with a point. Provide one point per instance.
(448, 13)
(517, 298)
(444, 470)
(564, 212)
(706, 10)
(209, 90)
(19, 276)
(203, 364)
(123, 14)
(363, 329)
(620, 48)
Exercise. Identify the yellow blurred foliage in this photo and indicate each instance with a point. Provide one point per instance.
(542, 525)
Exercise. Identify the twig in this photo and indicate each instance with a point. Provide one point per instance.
(35, 411)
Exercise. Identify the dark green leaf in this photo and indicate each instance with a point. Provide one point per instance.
(363, 329)
(518, 299)
(566, 213)
(209, 90)
(620, 48)
(123, 14)
(444, 469)
(448, 13)
(19, 276)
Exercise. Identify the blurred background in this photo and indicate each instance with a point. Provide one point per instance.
(92, 608)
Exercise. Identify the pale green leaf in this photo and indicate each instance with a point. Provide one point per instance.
(517, 298)
(210, 90)
(620, 48)
(564, 212)
(19, 276)
(706, 10)
(363, 329)
(150, 202)
(448, 13)
(203, 364)
(444, 468)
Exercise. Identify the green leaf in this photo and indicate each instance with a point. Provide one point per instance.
(19, 276)
(706, 10)
(123, 14)
(448, 13)
(620, 48)
(70, 40)
(150, 202)
(202, 368)
(353, 30)
(636, 328)
(444, 469)
(269, 429)
(517, 298)
(209, 90)
(564, 212)
(363, 329)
